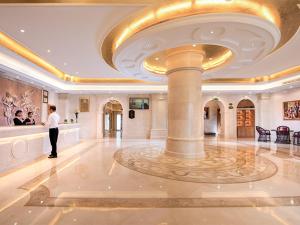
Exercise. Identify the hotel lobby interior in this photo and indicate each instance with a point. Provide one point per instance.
(177, 112)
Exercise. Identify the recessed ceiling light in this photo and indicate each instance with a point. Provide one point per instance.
(48, 50)
(194, 45)
(156, 58)
(65, 64)
(212, 32)
(210, 58)
(22, 31)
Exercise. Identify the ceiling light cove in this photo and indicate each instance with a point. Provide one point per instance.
(267, 15)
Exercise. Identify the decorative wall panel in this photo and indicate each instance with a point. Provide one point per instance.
(16, 95)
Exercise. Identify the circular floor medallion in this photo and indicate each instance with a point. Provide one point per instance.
(221, 165)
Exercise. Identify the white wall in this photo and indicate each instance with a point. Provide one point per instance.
(272, 109)
(91, 123)
(87, 120)
(229, 120)
(268, 111)
(52, 100)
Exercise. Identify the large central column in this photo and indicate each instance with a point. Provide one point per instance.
(185, 130)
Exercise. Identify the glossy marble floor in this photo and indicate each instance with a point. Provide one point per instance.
(246, 183)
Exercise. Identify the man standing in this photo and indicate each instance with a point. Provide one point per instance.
(52, 123)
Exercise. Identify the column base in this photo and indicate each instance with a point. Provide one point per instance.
(158, 133)
(185, 148)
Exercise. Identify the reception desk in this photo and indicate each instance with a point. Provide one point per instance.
(23, 144)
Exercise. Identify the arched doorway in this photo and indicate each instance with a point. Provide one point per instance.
(245, 119)
(112, 119)
(214, 118)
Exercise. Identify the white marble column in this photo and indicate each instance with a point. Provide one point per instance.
(185, 127)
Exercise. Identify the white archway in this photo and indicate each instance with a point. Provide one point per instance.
(214, 121)
(100, 113)
(112, 119)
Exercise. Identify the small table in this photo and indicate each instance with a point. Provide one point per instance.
(283, 139)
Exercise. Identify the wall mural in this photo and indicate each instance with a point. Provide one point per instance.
(15, 96)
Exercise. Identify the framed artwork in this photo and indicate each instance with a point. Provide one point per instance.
(206, 113)
(138, 103)
(291, 110)
(84, 104)
(45, 96)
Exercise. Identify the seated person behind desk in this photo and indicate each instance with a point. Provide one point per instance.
(29, 120)
(18, 120)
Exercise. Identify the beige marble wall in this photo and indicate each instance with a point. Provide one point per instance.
(159, 125)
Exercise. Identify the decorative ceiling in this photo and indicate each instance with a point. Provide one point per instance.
(68, 35)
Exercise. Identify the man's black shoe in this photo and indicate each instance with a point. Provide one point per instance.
(52, 156)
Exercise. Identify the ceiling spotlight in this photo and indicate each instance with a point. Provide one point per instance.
(48, 50)
(212, 32)
(210, 58)
(194, 45)
(22, 31)
(156, 58)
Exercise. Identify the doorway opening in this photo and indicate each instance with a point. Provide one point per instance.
(112, 119)
(246, 119)
(214, 119)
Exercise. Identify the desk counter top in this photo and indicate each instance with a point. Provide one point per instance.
(6, 132)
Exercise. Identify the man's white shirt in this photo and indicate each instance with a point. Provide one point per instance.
(53, 120)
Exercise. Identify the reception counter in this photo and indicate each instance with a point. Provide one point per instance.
(23, 144)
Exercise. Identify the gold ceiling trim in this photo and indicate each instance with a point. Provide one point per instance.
(258, 79)
(82, 2)
(26, 53)
(284, 14)
(214, 56)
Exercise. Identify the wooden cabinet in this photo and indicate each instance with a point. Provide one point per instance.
(246, 123)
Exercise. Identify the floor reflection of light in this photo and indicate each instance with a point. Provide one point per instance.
(112, 168)
(292, 202)
(37, 185)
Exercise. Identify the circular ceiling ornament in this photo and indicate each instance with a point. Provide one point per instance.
(223, 34)
(264, 26)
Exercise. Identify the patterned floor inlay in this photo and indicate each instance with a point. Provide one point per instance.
(220, 164)
(41, 197)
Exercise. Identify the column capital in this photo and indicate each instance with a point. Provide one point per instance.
(184, 59)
